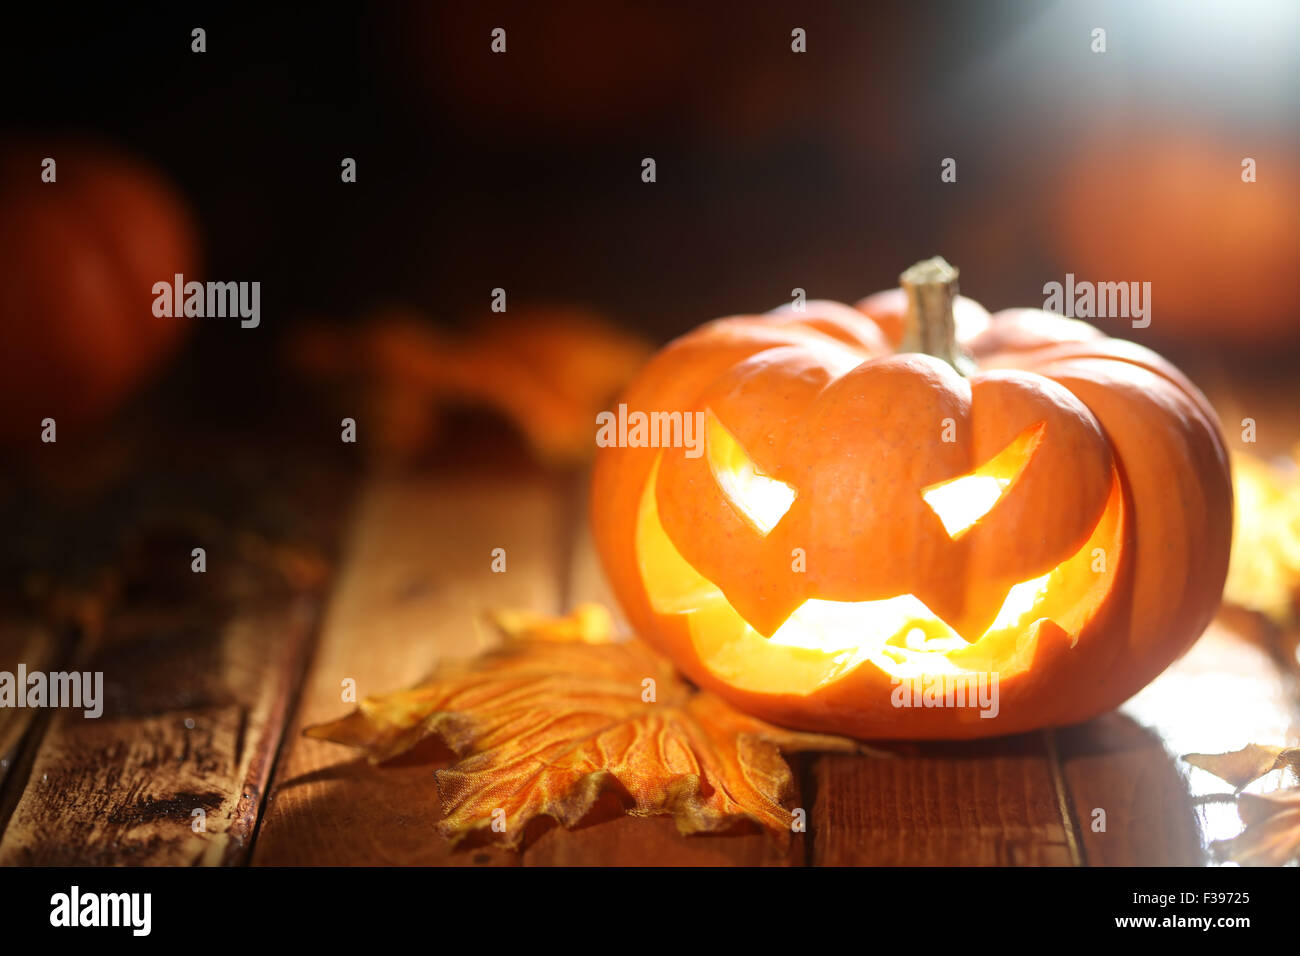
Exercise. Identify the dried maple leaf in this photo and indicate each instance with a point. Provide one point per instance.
(560, 714)
(1240, 767)
(1272, 833)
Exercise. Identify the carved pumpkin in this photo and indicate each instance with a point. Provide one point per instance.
(913, 489)
(78, 260)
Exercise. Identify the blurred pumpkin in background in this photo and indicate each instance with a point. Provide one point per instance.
(1170, 208)
(79, 256)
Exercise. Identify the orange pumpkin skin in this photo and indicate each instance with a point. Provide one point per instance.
(1125, 460)
(78, 260)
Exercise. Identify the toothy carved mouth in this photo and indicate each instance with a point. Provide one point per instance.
(822, 640)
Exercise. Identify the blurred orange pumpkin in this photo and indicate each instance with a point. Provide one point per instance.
(1222, 255)
(78, 259)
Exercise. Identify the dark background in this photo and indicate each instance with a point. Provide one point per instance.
(775, 170)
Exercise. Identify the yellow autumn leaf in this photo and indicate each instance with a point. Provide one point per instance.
(559, 715)
(589, 623)
(548, 370)
(1264, 571)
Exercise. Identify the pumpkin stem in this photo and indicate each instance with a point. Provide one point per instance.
(931, 287)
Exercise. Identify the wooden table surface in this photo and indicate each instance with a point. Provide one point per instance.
(316, 577)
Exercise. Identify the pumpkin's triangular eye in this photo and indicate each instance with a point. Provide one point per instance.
(761, 500)
(960, 502)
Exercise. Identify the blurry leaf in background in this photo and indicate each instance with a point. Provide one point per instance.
(1264, 572)
(548, 370)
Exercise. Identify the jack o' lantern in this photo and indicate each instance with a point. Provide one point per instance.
(913, 495)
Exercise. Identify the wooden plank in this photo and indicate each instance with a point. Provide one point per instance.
(617, 840)
(653, 841)
(197, 668)
(412, 589)
(1129, 795)
(41, 498)
(193, 709)
(982, 803)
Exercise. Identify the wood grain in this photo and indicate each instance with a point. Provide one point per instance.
(414, 584)
(654, 841)
(198, 668)
(983, 803)
(194, 708)
(1129, 795)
